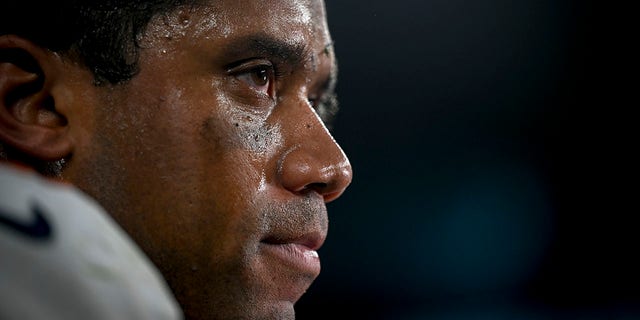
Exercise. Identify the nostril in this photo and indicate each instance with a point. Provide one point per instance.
(326, 190)
(319, 187)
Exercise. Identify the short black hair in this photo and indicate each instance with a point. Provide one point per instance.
(102, 35)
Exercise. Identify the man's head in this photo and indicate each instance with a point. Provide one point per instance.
(204, 141)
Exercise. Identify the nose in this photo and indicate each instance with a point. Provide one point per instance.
(314, 162)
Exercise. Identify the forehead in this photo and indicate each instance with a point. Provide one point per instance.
(303, 12)
(292, 21)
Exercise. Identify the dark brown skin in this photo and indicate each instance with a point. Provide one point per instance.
(206, 158)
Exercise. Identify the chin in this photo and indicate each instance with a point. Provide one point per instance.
(283, 311)
(242, 310)
(280, 310)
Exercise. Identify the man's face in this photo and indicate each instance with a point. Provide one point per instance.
(212, 157)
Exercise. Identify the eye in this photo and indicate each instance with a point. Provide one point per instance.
(326, 106)
(261, 78)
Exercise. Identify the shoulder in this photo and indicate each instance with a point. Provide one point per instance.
(63, 255)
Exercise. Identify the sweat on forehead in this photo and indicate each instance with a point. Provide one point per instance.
(217, 13)
(291, 30)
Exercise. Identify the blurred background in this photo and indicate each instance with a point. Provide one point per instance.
(492, 150)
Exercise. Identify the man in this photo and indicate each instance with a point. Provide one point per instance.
(196, 126)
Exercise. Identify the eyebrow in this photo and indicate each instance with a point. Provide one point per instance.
(292, 55)
(262, 45)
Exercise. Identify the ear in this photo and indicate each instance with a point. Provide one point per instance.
(29, 119)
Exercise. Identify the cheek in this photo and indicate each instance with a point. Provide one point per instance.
(261, 140)
(244, 149)
(243, 129)
(246, 152)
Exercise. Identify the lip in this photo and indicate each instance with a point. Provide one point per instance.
(299, 254)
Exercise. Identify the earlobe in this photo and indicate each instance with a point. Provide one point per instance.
(29, 118)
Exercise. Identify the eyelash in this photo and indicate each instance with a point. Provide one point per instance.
(252, 68)
(325, 105)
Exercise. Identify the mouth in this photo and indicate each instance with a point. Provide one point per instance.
(298, 253)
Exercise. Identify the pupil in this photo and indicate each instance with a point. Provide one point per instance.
(262, 76)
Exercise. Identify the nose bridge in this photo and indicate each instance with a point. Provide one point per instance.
(313, 161)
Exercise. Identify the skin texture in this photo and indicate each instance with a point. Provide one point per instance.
(219, 175)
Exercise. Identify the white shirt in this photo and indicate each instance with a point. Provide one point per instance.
(63, 257)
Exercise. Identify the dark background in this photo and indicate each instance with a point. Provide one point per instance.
(492, 145)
